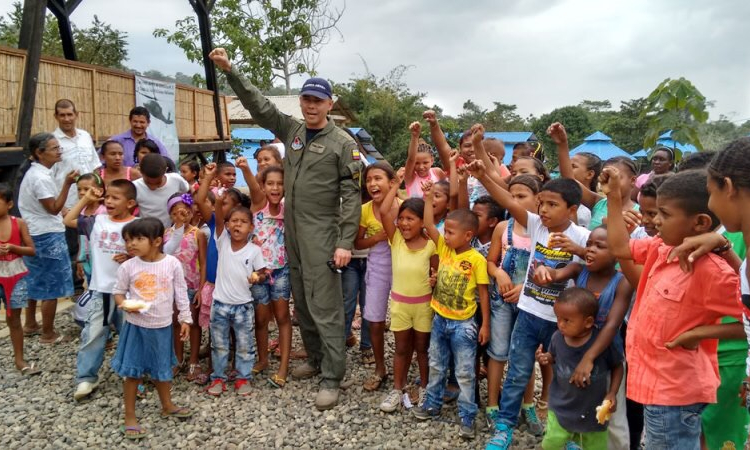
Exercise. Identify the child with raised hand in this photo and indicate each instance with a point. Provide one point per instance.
(148, 288)
(226, 176)
(411, 314)
(241, 265)
(113, 168)
(548, 230)
(511, 241)
(188, 245)
(379, 178)
(108, 252)
(461, 278)
(419, 162)
(271, 296)
(574, 421)
(15, 243)
(86, 182)
(591, 199)
(672, 331)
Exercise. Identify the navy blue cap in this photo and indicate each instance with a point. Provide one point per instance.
(317, 87)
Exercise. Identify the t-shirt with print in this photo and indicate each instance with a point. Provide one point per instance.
(105, 241)
(535, 299)
(153, 203)
(232, 284)
(458, 276)
(574, 407)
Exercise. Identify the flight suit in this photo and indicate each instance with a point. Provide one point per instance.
(321, 213)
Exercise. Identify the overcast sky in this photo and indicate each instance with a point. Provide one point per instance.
(537, 54)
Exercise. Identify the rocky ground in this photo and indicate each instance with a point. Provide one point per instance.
(40, 413)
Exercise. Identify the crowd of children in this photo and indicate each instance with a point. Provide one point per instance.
(629, 292)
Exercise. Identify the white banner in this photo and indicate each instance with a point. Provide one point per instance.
(158, 98)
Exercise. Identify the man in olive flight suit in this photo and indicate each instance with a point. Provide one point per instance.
(321, 217)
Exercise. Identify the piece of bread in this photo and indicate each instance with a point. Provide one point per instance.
(603, 413)
(134, 305)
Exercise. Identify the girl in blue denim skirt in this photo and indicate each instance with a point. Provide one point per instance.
(272, 296)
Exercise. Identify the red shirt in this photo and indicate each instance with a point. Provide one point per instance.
(670, 302)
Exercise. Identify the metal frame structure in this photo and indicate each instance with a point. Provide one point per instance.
(30, 39)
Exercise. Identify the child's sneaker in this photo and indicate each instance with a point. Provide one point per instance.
(242, 387)
(570, 445)
(84, 389)
(391, 402)
(467, 430)
(492, 416)
(422, 413)
(216, 388)
(529, 416)
(502, 438)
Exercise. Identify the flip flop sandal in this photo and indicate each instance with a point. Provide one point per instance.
(273, 344)
(180, 413)
(194, 370)
(133, 432)
(373, 382)
(201, 379)
(277, 381)
(30, 370)
(61, 339)
(257, 370)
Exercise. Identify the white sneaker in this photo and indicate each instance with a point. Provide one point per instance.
(391, 402)
(84, 389)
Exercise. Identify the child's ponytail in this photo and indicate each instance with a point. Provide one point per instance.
(734, 163)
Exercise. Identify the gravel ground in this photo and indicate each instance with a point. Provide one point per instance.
(40, 413)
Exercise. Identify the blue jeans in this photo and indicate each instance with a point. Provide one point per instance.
(457, 337)
(100, 313)
(354, 287)
(673, 427)
(241, 319)
(503, 317)
(528, 332)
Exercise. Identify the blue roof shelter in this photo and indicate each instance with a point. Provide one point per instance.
(667, 141)
(642, 153)
(600, 145)
(510, 138)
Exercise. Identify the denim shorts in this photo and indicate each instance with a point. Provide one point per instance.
(501, 327)
(20, 296)
(276, 288)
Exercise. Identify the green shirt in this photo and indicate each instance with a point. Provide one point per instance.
(733, 352)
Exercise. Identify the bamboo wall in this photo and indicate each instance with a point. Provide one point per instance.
(103, 97)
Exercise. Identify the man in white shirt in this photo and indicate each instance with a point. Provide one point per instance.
(78, 151)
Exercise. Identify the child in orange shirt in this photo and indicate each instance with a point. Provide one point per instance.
(674, 326)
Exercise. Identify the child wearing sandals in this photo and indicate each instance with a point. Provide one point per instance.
(271, 296)
(15, 242)
(185, 242)
(413, 255)
(379, 178)
(148, 287)
(241, 265)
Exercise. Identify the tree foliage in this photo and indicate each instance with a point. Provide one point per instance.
(384, 107)
(266, 40)
(675, 105)
(99, 44)
(576, 122)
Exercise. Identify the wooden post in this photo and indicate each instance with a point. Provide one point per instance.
(62, 11)
(30, 39)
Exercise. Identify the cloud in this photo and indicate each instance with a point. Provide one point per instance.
(537, 54)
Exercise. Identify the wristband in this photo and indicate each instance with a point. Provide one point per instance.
(724, 248)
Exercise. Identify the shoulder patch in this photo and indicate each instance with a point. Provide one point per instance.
(355, 154)
(297, 144)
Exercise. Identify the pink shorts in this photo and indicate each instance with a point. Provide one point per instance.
(207, 298)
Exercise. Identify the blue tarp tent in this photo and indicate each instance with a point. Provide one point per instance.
(642, 153)
(667, 141)
(601, 145)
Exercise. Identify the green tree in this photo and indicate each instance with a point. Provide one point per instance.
(99, 44)
(266, 40)
(599, 112)
(576, 122)
(675, 105)
(718, 133)
(627, 126)
(384, 107)
(504, 118)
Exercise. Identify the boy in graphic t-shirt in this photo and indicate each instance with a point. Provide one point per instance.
(462, 273)
(555, 242)
(107, 253)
